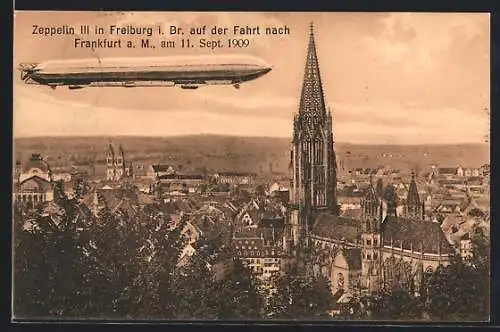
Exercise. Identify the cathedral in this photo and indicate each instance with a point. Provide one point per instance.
(381, 249)
(116, 169)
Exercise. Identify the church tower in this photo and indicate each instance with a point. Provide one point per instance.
(120, 164)
(413, 208)
(312, 160)
(371, 219)
(110, 163)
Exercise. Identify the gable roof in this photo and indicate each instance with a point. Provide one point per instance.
(335, 227)
(415, 234)
(353, 213)
(35, 183)
(160, 168)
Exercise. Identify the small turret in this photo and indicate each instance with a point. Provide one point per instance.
(370, 205)
(413, 207)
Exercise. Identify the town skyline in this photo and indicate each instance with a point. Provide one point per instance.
(376, 68)
(219, 227)
(113, 138)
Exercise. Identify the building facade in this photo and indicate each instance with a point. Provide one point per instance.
(33, 181)
(116, 168)
(234, 178)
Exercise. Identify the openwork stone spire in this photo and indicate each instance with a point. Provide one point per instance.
(312, 159)
(312, 102)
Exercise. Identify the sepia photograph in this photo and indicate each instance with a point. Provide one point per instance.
(269, 167)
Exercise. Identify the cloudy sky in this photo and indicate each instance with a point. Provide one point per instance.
(389, 78)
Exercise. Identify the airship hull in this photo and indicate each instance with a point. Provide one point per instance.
(166, 71)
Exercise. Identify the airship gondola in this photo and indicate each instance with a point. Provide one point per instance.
(188, 72)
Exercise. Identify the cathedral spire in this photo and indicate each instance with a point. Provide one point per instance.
(312, 102)
(313, 161)
(413, 197)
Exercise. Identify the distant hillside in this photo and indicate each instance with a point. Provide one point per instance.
(261, 155)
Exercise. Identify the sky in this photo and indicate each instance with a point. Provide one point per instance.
(398, 78)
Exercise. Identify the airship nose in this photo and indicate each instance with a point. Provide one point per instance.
(265, 70)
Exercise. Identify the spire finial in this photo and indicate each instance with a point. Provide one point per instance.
(311, 28)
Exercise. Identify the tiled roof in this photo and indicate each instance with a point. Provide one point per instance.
(352, 213)
(236, 174)
(448, 169)
(162, 168)
(338, 228)
(450, 221)
(415, 234)
(85, 210)
(145, 199)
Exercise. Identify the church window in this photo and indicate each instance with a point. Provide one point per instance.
(375, 255)
(368, 256)
(368, 242)
(375, 242)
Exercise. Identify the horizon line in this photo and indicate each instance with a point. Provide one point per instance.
(233, 135)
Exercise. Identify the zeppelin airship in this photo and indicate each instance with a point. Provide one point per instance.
(188, 72)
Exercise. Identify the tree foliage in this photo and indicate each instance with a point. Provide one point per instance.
(120, 266)
(456, 292)
(299, 296)
(461, 290)
(394, 305)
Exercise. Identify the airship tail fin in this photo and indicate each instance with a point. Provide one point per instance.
(26, 70)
